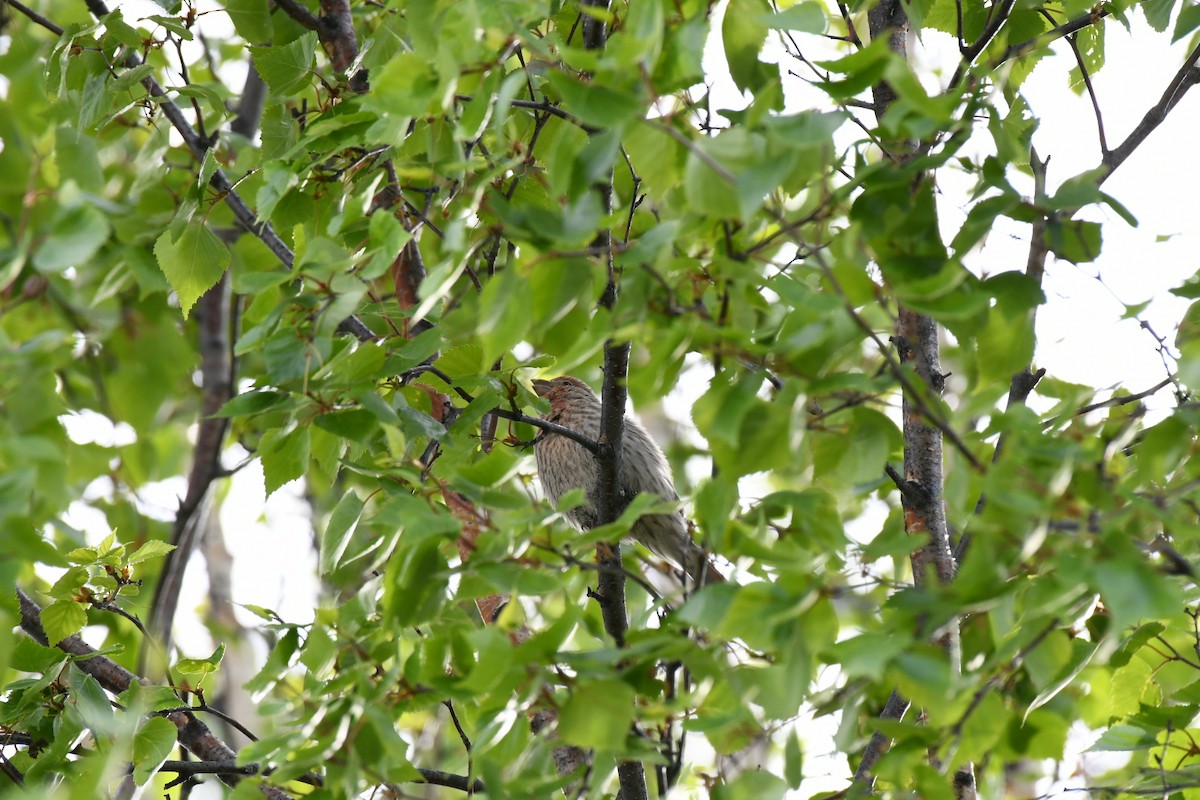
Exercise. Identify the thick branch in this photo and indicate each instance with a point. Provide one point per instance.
(336, 32)
(917, 335)
(334, 28)
(431, 776)
(610, 588)
(922, 484)
(609, 501)
(887, 18)
(301, 15)
(864, 781)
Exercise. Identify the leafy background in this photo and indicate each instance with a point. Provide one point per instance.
(296, 237)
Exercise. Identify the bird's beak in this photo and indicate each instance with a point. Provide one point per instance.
(542, 387)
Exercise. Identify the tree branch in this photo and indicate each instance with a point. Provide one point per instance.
(216, 322)
(923, 483)
(299, 14)
(610, 590)
(36, 17)
(1066, 29)
(1114, 402)
(336, 32)
(610, 585)
(1187, 77)
(1000, 13)
(192, 733)
(864, 779)
(917, 341)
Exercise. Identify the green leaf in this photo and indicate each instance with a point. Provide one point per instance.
(743, 32)
(61, 619)
(1187, 21)
(279, 132)
(504, 314)
(116, 26)
(284, 456)
(338, 531)
(862, 68)
(1050, 692)
(1120, 738)
(1005, 345)
(793, 761)
(74, 578)
(857, 450)
(416, 583)
(78, 159)
(253, 402)
(807, 17)
(751, 785)
(197, 669)
(1075, 240)
(719, 413)
(174, 24)
(1189, 326)
(153, 743)
(814, 518)
(153, 548)
(357, 424)
(598, 715)
(868, 654)
(73, 239)
(594, 104)
(251, 19)
(404, 88)
(1158, 13)
(287, 69)
(130, 78)
(91, 700)
(193, 262)
(1134, 592)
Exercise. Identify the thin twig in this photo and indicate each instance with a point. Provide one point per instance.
(591, 445)
(1114, 402)
(1092, 17)
(1073, 41)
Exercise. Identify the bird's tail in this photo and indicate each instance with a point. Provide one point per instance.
(699, 567)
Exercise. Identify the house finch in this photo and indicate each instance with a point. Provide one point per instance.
(564, 465)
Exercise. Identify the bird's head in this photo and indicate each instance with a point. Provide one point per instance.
(564, 390)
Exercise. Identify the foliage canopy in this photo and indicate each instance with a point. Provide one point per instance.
(341, 241)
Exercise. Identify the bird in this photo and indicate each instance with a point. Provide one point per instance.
(564, 465)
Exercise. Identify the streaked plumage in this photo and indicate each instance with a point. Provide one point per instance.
(564, 465)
